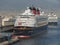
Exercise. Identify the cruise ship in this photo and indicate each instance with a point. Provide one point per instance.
(52, 19)
(30, 23)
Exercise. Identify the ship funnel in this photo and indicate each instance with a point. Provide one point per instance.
(38, 11)
(34, 10)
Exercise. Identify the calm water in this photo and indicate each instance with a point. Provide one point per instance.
(50, 37)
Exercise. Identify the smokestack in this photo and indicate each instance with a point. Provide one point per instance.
(34, 10)
(38, 11)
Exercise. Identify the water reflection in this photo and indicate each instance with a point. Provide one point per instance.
(33, 40)
(50, 26)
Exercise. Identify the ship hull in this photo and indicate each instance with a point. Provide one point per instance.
(52, 23)
(26, 33)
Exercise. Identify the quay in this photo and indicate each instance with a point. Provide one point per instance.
(9, 42)
(6, 28)
(6, 23)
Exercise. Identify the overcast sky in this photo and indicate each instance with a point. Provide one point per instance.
(20, 4)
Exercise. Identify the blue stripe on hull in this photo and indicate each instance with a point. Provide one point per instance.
(52, 23)
(34, 31)
(38, 30)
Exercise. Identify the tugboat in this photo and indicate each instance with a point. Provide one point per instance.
(52, 19)
(30, 23)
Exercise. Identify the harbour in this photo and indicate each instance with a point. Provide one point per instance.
(29, 22)
(31, 26)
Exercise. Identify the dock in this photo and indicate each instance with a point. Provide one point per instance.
(9, 42)
(6, 23)
(6, 28)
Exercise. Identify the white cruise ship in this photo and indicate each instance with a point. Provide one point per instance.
(30, 23)
(52, 19)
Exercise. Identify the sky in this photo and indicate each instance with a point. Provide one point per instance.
(22, 4)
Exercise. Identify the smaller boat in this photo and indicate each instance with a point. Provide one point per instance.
(7, 23)
(52, 19)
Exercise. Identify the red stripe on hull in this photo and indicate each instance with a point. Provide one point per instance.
(26, 37)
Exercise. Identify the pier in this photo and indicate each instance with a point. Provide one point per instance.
(6, 28)
(4, 36)
(9, 42)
